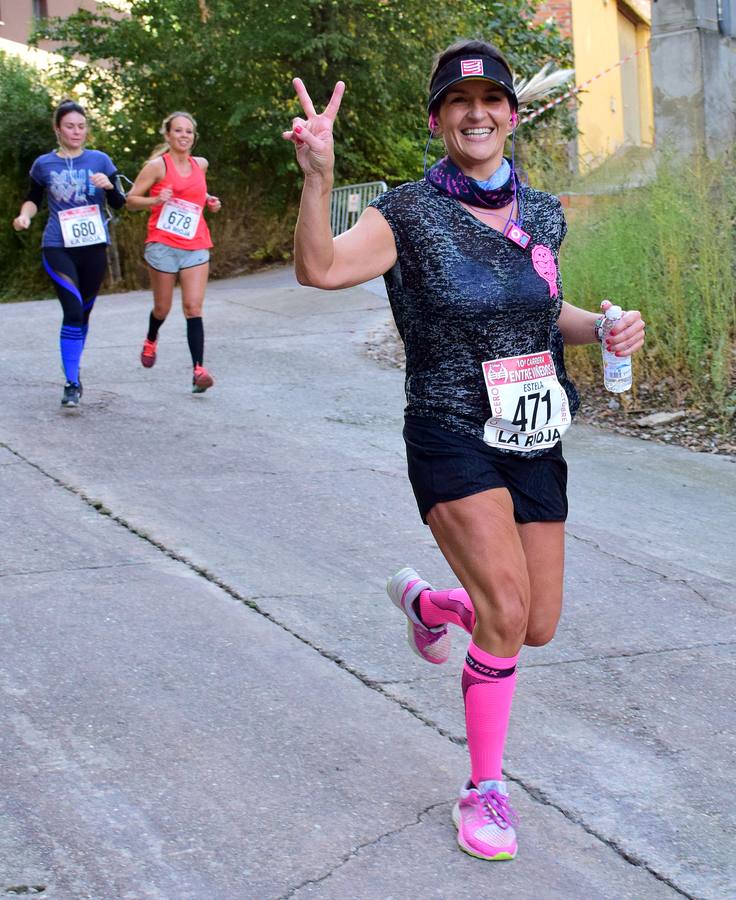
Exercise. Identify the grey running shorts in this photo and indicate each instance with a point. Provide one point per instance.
(172, 260)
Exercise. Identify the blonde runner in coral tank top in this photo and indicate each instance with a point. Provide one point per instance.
(180, 221)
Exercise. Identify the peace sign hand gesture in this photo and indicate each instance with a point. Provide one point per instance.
(312, 137)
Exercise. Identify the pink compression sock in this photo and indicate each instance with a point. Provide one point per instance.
(443, 607)
(488, 688)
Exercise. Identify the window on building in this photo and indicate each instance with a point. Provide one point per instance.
(40, 9)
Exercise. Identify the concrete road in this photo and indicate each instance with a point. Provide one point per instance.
(206, 694)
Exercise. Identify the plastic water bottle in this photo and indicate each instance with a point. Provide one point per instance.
(616, 369)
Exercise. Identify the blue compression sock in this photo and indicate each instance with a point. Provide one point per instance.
(71, 341)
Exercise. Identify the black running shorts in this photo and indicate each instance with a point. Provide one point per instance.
(445, 465)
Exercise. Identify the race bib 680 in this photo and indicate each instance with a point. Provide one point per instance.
(82, 226)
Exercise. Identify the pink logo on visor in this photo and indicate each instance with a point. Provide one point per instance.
(471, 67)
(544, 266)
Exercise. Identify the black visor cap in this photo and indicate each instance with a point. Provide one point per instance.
(463, 68)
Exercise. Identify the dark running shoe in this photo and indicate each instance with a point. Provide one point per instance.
(72, 395)
(201, 380)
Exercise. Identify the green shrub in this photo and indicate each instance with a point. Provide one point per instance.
(25, 132)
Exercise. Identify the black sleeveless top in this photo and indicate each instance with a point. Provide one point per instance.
(462, 293)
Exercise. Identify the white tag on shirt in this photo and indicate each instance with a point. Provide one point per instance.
(180, 217)
(82, 226)
(529, 406)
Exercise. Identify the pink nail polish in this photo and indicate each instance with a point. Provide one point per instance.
(297, 128)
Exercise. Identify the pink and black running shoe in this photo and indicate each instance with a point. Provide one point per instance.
(148, 354)
(432, 644)
(485, 821)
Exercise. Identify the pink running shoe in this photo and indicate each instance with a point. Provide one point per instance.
(201, 380)
(485, 821)
(148, 353)
(432, 644)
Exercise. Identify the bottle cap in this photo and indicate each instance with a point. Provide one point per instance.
(614, 312)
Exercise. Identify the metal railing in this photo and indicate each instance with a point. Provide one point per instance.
(349, 201)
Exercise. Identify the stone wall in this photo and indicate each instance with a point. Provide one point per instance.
(694, 77)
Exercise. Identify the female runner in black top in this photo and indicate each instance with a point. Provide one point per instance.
(469, 256)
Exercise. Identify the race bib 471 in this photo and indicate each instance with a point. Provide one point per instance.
(529, 408)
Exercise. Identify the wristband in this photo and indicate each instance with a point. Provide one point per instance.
(598, 328)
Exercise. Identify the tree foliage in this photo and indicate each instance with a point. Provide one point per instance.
(25, 115)
(25, 132)
(230, 62)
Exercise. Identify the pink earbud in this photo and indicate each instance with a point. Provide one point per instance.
(514, 119)
(432, 124)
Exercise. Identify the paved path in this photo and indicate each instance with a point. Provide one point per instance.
(206, 695)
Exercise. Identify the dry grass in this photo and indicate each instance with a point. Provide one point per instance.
(246, 233)
(667, 249)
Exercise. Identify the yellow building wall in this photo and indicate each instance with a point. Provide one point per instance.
(603, 33)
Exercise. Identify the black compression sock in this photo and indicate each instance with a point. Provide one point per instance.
(153, 326)
(195, 337)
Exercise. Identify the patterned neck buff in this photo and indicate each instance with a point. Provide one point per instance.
(449, 180)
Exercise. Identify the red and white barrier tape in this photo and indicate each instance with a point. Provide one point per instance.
(580, 87)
